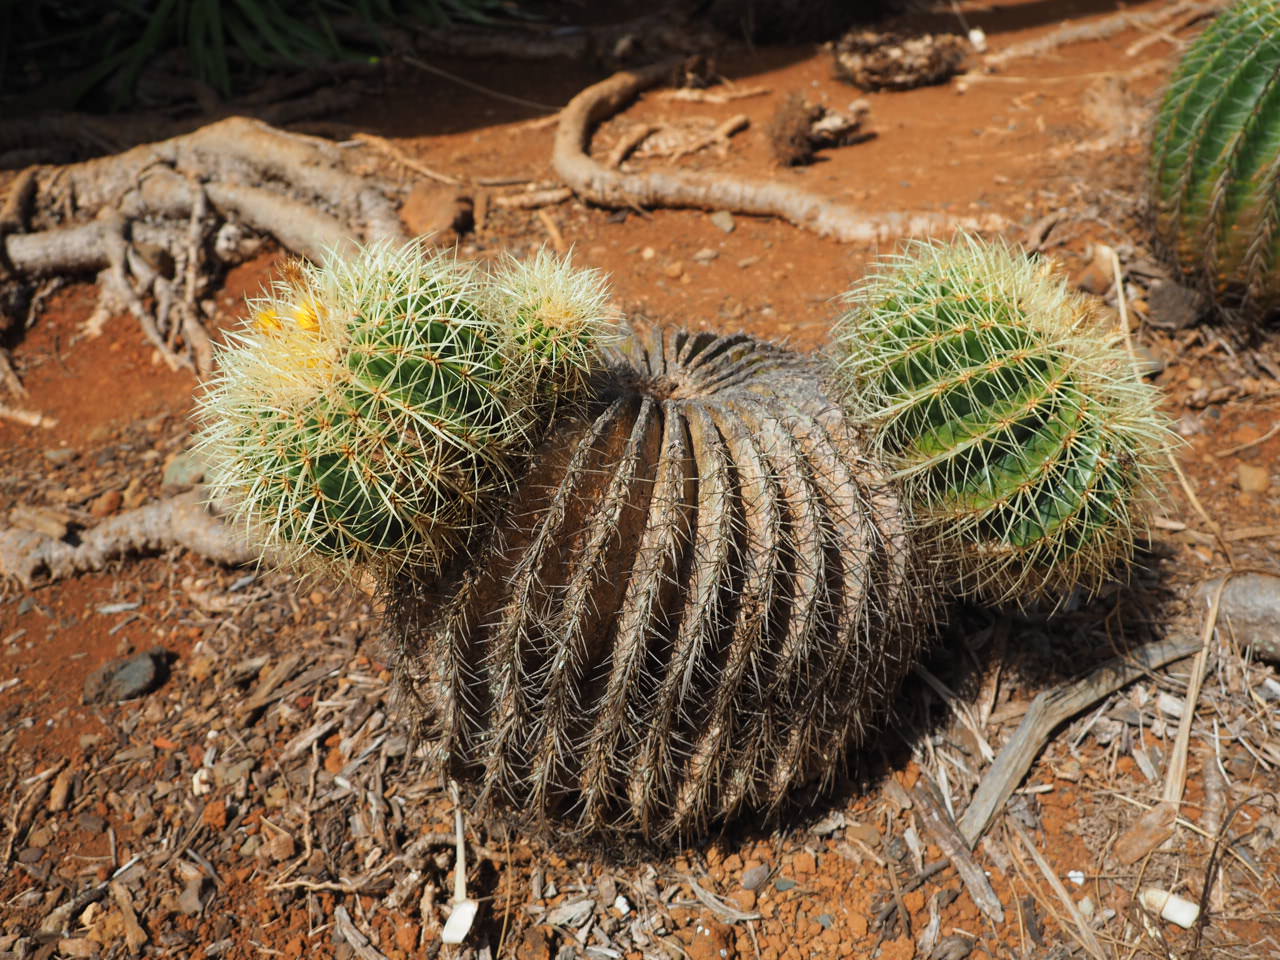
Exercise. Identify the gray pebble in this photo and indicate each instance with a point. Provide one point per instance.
(1174, 306)
(723, 219)
(125, 679)
(755, 878)
(185, 470)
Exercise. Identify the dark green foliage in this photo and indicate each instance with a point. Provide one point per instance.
(90, 53)
(1215, 175)
(702, 599)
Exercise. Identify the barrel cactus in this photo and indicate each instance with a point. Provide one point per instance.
(369, 411)
(1026, 442)
(1215, 175)
(701, 598)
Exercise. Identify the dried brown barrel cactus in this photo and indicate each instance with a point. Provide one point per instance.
(701, 600)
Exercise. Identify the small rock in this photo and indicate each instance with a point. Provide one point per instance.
(783, 884)
(754, 877)
(1253, 479)
(1150, 362)
(674, 270)
(1251, 606)
(184, 470)
(706, 255)
(648, 253)
(1174, 306)
(708, 940)
(856, 924)
(30, 854)
(723, 220)
(126, 679)
(191, 900)
(535, 945)
(60, 455)
(106, 504)
(804, 863)
(1096, 278)
(437, 209)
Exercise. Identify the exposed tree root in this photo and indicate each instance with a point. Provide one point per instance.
(151, 219)
(180, 521)
(596, 183)
(1101, 29)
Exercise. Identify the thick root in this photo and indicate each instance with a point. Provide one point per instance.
(180, 521)
(597, 183)
(147, 219)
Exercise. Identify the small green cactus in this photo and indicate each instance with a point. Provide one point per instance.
(1025, 440)
(556, 320)
(368, 412)
(1215, 175)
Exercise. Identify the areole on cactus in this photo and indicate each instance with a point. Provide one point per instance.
(368, 412)
(1027, 444)
(1215, 165)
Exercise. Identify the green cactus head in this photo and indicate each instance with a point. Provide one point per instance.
(557, 319)
(364, 414)
(1025, 440)
(1215, 160)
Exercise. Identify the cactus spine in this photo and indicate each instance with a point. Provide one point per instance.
(702, 599)
(1025, 440)
(368, 412)
(1215, 175)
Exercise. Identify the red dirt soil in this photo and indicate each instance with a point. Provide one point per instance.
(1059, 132)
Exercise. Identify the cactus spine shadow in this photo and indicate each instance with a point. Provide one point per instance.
(703, 598)
(1026, 442)
(1215, 166)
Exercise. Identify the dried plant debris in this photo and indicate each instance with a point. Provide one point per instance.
(704, 598)
(894, 61)
(799, 129)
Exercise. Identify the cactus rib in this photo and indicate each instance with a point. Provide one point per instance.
(700, 589)
(1215, 167)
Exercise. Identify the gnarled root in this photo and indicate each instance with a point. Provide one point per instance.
(596, 183)
(151, 218)
(180, 521)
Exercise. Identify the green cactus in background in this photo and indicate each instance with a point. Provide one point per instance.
(1025, 440)
(369, 411)
(1215, 175)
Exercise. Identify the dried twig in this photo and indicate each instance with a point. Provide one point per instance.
(383, 145)
(1049, 709)
(632, 139)
(532, 199)
(1088, 938)
(952, 844)
(1176, 774)
(28, 418)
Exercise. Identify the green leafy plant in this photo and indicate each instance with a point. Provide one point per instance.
(1026, 443)
(73, 51)
(369, 412)
(1215, 169)
(701, 597)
